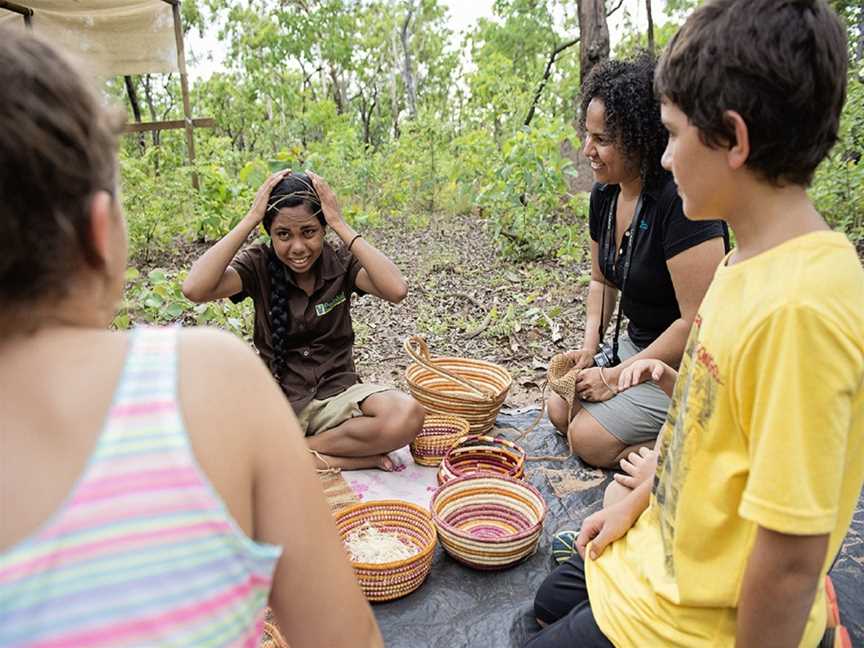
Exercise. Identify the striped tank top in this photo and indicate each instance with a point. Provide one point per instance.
(143, 551)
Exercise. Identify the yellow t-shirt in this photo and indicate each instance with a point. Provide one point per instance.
(766, 428)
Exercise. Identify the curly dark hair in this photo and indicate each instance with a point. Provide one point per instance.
(293, 190)
(632, 111)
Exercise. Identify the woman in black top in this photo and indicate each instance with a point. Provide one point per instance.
(664, 276)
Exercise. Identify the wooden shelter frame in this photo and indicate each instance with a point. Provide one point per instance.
(187, 123)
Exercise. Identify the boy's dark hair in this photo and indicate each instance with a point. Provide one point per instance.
(780, 64)
(293, 190)
(632, 111)
(57, 147)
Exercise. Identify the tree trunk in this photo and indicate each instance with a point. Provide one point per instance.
(593, 34)
(410, 88)
(136, 109)
(859, 51)
(650, 26)
(338, 95)
(148, 97)
(395, 107)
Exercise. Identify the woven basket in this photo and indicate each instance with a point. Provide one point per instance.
(471, 389)
(438, 435)
(482, 454)
(391, 580)
(488, 522)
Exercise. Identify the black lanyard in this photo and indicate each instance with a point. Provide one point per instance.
(610, 251)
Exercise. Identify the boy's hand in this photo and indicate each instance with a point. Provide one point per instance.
(638, 467)
(604, 527)
(644, 370)
(641, 371)
(582, 358)
(262, 197)
(329, 205)
(590, 386)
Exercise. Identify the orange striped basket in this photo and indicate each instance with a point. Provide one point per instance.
(482, 454)
(487, 521)
(438, 435)
(391, 580)
(472, 389)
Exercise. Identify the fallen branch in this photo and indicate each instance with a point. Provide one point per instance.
(483, 326)
(467, 297)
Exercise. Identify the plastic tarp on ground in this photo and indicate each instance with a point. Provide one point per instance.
(110, 37)
(461, 607)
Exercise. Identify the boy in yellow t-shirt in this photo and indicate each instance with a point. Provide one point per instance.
(761, 459)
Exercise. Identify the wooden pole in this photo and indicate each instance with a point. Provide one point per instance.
(201, 122)
(26, 12)
(184, 88)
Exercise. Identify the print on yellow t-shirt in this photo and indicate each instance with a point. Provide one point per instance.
(699, 378)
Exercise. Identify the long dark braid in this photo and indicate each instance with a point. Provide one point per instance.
(295, 189)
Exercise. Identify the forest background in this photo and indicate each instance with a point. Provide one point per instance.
(457, 154)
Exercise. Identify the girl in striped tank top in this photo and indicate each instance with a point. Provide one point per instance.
(146, 497)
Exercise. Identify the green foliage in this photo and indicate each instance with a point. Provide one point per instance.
(325, 86)
(157, 206)
(526, 194)
(838, 189)
(156, 298)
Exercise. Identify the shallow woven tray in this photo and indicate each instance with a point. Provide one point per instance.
(479, 454)
(488, 522)
(391, 580)
(438, 435)
(471, 389)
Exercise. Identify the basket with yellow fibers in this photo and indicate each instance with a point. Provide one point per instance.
(438, 435)
(471, 389)
(383, 522)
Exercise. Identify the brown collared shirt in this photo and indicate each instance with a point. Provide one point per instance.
(320, 338)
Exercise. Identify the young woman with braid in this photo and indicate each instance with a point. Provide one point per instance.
(301, 287)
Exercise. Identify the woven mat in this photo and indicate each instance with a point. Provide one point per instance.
(337, 491)
(572, 478)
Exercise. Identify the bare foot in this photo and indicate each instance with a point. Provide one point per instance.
(382, 461)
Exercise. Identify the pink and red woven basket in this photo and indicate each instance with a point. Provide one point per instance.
(480, 453)
(487, 521)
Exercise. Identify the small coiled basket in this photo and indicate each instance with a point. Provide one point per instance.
(391, 580)
(438, 435)
(482, 454)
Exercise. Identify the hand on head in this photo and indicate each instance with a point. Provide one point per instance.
(262, 197)
(329, 204)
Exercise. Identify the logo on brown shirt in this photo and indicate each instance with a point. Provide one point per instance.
(326, 307)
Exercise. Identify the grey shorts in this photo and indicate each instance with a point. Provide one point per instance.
(636, 414)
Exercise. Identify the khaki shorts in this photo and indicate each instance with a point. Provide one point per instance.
(321, 415)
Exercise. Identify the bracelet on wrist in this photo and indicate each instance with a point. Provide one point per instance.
(608, 386)
(356, 236)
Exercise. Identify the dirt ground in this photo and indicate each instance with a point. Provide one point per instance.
(466, 301)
